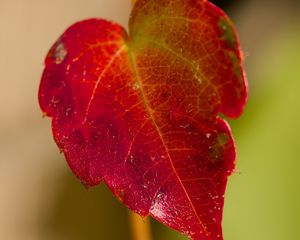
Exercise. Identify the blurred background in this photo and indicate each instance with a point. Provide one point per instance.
(41, 200)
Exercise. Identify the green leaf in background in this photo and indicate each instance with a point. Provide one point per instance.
(264, 198)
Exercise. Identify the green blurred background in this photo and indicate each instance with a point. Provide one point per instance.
(41, 199)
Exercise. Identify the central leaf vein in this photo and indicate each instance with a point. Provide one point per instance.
(150, 111)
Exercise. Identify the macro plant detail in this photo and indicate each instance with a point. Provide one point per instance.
(139, 111)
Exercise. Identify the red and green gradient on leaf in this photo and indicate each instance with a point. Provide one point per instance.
(139, 111)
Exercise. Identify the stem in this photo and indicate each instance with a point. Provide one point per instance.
(140, 227)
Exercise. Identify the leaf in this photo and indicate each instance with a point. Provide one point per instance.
(140, 111)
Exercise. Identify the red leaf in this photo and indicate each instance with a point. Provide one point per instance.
(140, 112)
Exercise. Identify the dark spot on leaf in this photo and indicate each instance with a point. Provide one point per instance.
(227, 31)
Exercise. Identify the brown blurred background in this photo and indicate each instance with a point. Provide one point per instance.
(40, 198)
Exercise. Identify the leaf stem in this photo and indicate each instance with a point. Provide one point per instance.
(140, 227)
